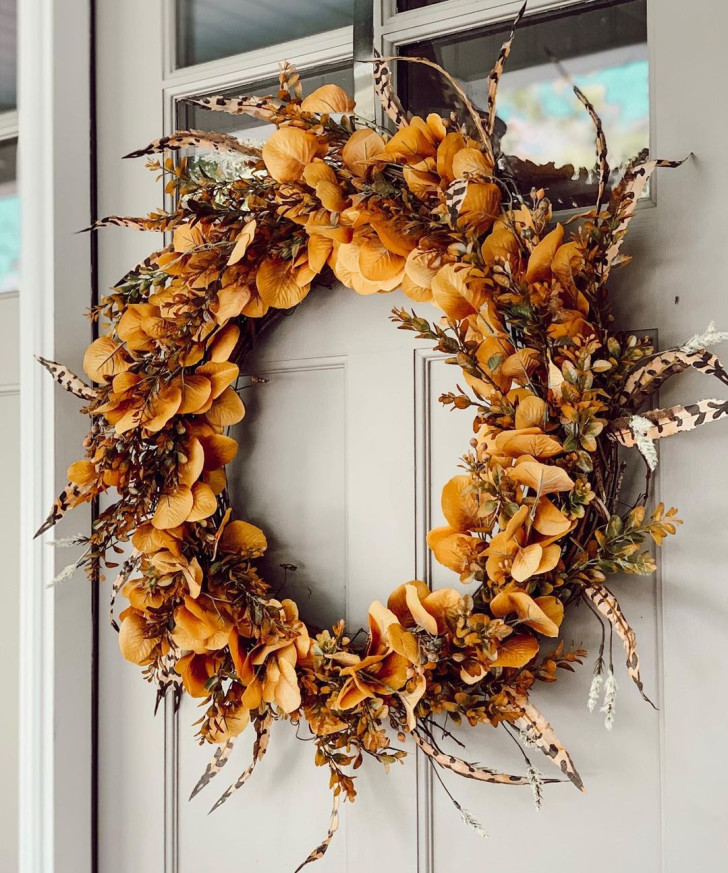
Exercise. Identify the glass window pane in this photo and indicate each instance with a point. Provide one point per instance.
(406, 5)
(8, 55)
(543, 129)
(211, 29)
(9, 219)
(191, 117)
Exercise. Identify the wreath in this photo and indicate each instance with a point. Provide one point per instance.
(535, 519)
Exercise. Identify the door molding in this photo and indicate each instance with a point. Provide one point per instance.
(55, 625)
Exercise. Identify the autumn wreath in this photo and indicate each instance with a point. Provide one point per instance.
(554, 389)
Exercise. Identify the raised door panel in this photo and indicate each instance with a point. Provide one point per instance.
(326, 467)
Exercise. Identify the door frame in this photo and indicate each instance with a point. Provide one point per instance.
(55, 185)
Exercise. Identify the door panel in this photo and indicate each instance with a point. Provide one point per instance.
(343, 455)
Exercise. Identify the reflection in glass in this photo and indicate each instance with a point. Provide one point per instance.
(9, 219)
(542, 127)
(208, 30)
(8, 55)
(406, 5)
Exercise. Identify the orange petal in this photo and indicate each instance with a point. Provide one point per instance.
(516, 651)
(542, 478)
(219, 450)
(526, 562)
(226, 410)
(530, 412)
(82, 473)
(360, 148)
(539, 263)
(204, 502)
(224, 342)
(244, 537)
(134, 644)
(221, 374)
(196, 391)
(173, 508)
(377, 263)
(419, 613)
(460, 504)
(328, 99)
(287, 152)
(397, 602)
(549, 520)
(190, 470)
(277, 285)
(244, 239)
(161, 407)
(104, 357)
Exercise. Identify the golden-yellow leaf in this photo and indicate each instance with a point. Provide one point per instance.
(327, 99)
(204, 502)
(361, 148)
(104, 357)
(173, 508)
(226, 410)
(244, 239)
(287, 151)
(277, 285)
(241, 536)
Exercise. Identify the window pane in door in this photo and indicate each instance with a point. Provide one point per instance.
(543, 129)
(208, 30)
(9, 219)
(8, 55)
(407, 5)
(191, 117)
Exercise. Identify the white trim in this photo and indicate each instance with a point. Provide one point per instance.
(55, 627)
(36, 788)
(457, 15)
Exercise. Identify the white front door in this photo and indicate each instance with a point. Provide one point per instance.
(343, 456)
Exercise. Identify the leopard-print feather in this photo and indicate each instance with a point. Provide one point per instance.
(608, 605)
(218, 761)
(200, 139)
(262, 731)
(537, 731)
(469, 771)
(384, 90)
(672, 420)
(322, 847)
(67, 380)
(495, 74)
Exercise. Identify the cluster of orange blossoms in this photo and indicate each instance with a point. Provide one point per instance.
(532, 521)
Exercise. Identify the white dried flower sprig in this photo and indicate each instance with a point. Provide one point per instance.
(595, 688)
(471, 821)
(534, 777)
(67, 542)
(610, 699)
(65, 573)
(639, 425)
(700, 341)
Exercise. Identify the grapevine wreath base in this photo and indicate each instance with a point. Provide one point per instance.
(554, 390)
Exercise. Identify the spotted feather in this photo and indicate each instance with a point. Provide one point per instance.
(217, 142)
(624, 201)
(602, 162)
(219, 759)
(672, 420)
(384, 90)
(67, 380)
(537, 730)
(322, 847)
(263, 108)
(469, 771)
(127, 568)
(608, 605)
(72, 495)
(262, 731)
(495, 74)
(454, 199)
(648, 376)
